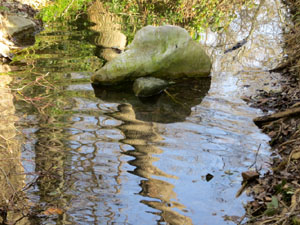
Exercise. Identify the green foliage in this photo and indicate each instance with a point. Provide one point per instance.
(63, 10)
(272, 207)
(284, 190)
(194, 15)
(3, 8)
(296, 220)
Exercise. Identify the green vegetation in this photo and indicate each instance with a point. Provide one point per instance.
(3, 9)
(63, 10)
(197, 14)
(194, 15)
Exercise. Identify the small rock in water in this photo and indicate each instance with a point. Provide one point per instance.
(149, 86)
(208, 177)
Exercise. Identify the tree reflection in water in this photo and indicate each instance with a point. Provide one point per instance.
(142, 136)
(13, 206)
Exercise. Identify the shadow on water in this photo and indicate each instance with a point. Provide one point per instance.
(171, 106)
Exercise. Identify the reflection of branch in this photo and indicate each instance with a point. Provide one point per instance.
(4, 138)
(38, 101)
(255, 157)
(14, 194)
(176, 101)
(7, 180)
(254, 21)
(42, 77)
(67, 8)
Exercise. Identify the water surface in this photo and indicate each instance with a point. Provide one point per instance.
(107, 157)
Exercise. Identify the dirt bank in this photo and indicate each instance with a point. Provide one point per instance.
(277, 193)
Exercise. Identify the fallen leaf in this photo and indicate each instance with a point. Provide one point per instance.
(272, 206)
(296, 155)
(53, 211)
(228, 172)
(267, 199)
(272, 134)
(234, 219)
(249, 175)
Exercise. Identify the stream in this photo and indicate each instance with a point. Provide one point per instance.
(107, 157)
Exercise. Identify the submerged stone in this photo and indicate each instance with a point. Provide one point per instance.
(149, 86)
(166, 52)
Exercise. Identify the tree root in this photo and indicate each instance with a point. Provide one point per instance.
(259, 121)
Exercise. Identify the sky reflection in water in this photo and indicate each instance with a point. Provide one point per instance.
(113, 158)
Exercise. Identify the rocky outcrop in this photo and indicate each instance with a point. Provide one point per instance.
(166, 52)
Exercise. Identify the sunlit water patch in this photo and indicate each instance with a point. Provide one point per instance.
(104, 156)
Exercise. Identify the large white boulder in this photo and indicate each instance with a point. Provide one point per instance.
(166, 52)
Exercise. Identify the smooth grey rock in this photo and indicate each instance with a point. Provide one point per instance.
(166, 52)
(149, 86)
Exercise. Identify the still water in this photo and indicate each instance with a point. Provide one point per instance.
(106, 157)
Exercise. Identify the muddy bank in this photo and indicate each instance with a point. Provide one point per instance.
(277, 193)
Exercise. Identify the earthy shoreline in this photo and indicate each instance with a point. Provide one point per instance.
(277, 193)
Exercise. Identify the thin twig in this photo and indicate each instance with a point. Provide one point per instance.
(289, 142)
(256, 154)
(67, 8)
(241, 220)
(173, 98)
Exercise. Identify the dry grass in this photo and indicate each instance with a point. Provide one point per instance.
(293, 39)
